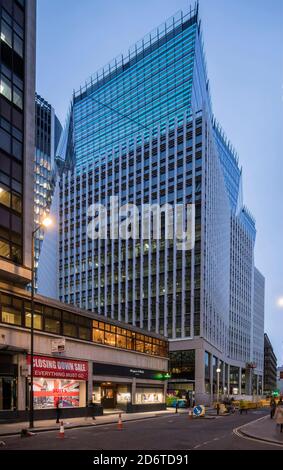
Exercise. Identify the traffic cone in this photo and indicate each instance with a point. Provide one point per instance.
(62, 431)
(190, 414)
(120, 422)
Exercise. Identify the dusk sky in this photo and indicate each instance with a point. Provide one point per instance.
(244, 49)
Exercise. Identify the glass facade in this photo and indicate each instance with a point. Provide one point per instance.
(48, 131)
(151, 84)
(12, 80)
(143, 130)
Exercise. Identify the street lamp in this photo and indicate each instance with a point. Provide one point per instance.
(218, 370)
(46, 222)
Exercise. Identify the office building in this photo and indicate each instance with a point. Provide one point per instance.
(17, 58)
(270, 367)
(143, 130)
(47, 135)
(280, 380)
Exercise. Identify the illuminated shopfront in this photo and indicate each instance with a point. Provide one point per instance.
(125, 386)
(59, 382)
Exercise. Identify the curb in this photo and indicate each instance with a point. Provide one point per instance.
(75, 426)
(244, 434)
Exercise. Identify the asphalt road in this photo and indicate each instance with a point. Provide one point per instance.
(174, 432)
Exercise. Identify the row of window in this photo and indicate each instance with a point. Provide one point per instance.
(17, 312)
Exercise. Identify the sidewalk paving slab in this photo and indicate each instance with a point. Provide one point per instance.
(263, 429)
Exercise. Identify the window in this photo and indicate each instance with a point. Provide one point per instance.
(4, 249)
(52, 325)
(84, 333)
(6, 33)
(110, 339)
(5, 88)
(69, 329)
(11, 316)
(37, 320)
(98, 335)
(5, 196)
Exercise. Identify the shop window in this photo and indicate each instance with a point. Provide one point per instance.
(110, 339)
(123, 394)
(98, 336)
(149, 395)
(52, 325)
(96, 394)
(11, 316)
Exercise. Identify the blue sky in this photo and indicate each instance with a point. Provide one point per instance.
(244, 49)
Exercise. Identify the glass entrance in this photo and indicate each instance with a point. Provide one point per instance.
(108, 396)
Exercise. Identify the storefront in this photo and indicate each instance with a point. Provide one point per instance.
(128, 388)
(59, 382)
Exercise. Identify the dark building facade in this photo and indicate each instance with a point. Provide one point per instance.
(17, 83)
(270, 366)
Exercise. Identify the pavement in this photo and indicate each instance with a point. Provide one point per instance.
(11, 429)
(263, 429)
(164, 431)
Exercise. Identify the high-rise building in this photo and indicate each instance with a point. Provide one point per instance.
(47, 135)
(270, 366)
(143, 130)
(280, 380)
(17, 58)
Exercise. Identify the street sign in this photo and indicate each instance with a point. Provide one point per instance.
(199, 410)
(58, 345)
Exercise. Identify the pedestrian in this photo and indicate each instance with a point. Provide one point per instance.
(58, 411)
(279, 414)
(272, 407)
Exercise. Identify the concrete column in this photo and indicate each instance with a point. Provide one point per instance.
(200, 394)
(90, 382)
(134, 389)
(240, 380)
(211, 379)
(21, 386)
(165, 390)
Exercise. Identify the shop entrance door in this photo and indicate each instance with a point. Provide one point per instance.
(108, 396)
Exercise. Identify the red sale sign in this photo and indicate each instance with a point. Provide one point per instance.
(53, 367)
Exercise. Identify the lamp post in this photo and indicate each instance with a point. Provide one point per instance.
(45, 223)
(218, 370)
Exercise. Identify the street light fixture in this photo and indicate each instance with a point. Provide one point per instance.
(218, 370)
(46, 222)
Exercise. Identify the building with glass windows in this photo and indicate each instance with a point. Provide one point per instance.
(270, 367)
(142, 129)
(48, 131)
(17, 81)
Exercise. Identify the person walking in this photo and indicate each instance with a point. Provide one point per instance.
(272, 407)
(279, 414)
